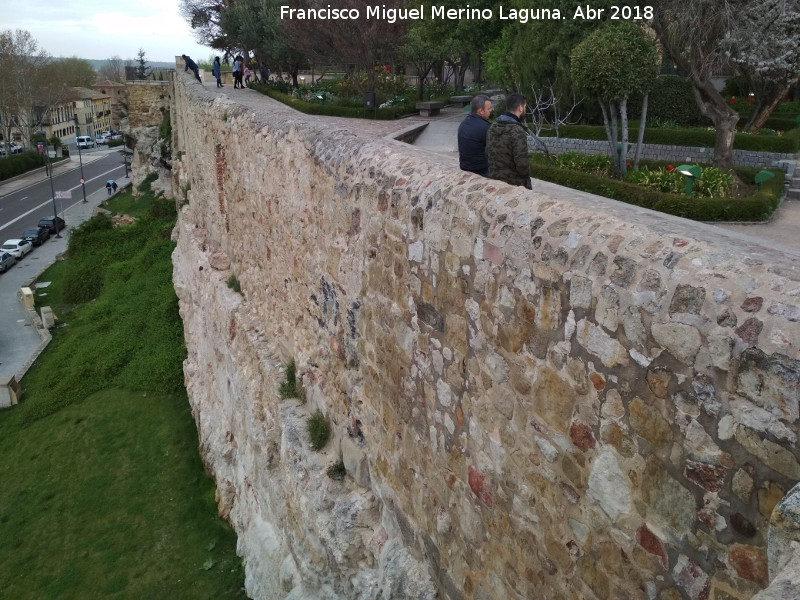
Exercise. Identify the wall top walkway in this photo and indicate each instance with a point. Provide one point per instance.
(779, 236)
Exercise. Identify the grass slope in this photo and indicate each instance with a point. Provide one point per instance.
(104, 494)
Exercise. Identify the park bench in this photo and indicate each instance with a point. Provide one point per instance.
(429, 109)
(460, 100)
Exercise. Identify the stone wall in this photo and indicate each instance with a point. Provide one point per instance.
(150, 105)
(147, 101)
(677, 154)
(536, 394)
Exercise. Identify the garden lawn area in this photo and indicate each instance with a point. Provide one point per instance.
(104, 492)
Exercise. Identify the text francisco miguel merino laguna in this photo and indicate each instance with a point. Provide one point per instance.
(391, 15)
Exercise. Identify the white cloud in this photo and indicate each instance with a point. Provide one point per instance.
(88, 29)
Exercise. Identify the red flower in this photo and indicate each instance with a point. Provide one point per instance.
(669, 168)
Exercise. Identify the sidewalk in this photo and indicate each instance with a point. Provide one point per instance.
(37, 175)
(20, 342)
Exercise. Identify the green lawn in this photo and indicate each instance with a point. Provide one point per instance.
(104, 494)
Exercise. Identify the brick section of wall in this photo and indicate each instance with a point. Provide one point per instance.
(535, 396)
(676, 154)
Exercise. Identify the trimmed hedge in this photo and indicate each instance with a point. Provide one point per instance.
(17, 164)
(788, 143)
(332, 110)
(757, 207)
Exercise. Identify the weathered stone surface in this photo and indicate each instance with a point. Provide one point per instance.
(623, 272)
(750, 330)
(648, 423)
(553, 400)
(650, 542)
(580, 292)
(607, 309)
(742, 485)
(687, 299)
(672, 503)
(771, 454)
(750, 563)
(708, 477)
(596, 341)
(609, 487)
(689, 576)
(682, 341)
(772, 382)
(742, 525)
(582, 436)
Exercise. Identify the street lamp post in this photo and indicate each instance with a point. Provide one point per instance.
(52, 188)
(80, 157)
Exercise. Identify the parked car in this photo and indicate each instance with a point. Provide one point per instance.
(84, 141)
(36, 235)
(18, 248)
(100, 140)
(50, 223)
(6, 261)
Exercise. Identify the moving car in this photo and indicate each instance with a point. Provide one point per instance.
(18, 248)
(50, 223)
(6, 261)
(36, 235)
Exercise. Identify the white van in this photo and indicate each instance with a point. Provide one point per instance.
(84, 141)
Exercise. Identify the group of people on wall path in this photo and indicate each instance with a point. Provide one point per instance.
(499, 150)
(241, 72)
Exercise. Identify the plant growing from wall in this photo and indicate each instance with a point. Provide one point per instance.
(318, 430)
(235, 284)
(289, 387)
(337, 470)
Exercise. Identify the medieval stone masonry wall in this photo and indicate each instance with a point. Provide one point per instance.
(536, 394)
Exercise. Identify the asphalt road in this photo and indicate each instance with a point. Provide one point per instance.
(23, 208)
(22, 204)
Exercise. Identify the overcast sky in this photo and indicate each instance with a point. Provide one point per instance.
(98, 29)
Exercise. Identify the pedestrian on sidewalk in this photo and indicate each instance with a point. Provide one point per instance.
(114, 186)
(108, 186)
(190, 64)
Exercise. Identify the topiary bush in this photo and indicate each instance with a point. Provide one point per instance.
(318, 430)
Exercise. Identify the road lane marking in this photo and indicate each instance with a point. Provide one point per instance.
(50, 201)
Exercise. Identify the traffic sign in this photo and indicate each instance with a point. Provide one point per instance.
(83, 180)
(64, 195)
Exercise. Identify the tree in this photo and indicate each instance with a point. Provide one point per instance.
(204, 18)
(610, 64)
(27, 93)
(538, 52)
(113, 69)
(764, 44)
(142, 70)
(74, 72)
(691, 34)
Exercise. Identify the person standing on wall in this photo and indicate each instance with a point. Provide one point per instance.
(217, 71)
(507, 145)
(472, 137)
(190, 64)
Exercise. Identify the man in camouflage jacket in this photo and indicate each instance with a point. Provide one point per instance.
(507, 145)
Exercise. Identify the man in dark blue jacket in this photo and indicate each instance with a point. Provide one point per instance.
(190, 64)
(472, 137)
